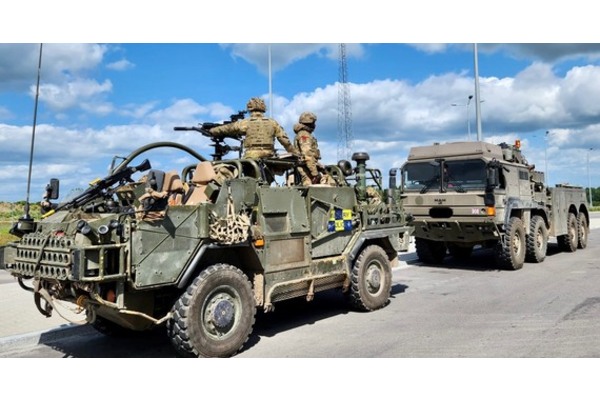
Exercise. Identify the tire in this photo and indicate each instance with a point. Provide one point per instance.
(583, 230)
(537, 240)
(371, 280)
(215, 316)
(510, 252)
(429, 251)
(460, 252)
(569, 241)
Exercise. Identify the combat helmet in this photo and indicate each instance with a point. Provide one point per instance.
(307, 118)
(256, 104)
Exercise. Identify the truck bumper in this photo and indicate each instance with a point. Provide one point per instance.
(448, 230)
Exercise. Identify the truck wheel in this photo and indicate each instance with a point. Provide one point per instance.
(510, 252)
(215, 316)
(569, 242)
(537, 240)
(429, 251)
(460, 252)
(583, 229)
(371, 279)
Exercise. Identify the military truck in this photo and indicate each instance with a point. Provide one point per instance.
(200, 250)
(467, 194)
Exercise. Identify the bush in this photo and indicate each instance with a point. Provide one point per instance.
(10, 213)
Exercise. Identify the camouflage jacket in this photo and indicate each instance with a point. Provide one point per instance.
(308, 147)
(260, 133)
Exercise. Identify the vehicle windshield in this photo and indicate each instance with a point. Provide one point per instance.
(421, 176)
(459, 176)
(464, 175)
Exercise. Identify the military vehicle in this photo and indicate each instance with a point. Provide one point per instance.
(200, 250)
(468, 194)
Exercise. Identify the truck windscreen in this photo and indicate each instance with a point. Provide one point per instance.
(459, 176)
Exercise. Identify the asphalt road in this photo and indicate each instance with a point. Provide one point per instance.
(454, 310)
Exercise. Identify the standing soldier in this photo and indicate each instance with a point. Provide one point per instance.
(260, 132)
(308, 147)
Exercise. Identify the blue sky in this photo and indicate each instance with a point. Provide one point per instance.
(101, 100)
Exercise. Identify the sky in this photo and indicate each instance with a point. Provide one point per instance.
(100, 100)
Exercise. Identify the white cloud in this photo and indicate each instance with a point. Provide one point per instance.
(121, 65)
(581, 86)
(19, 62)
(185, 110)
(388, 117)
(137, 111)
(431, 48)
(535, 99)
(98, 108)
(72, 93)
(283, 55)
(181, 110)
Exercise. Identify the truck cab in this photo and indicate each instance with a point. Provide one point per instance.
(467, 194)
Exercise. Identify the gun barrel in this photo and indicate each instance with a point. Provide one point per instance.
(102, 184)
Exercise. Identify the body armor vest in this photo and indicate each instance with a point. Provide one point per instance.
(260, 135)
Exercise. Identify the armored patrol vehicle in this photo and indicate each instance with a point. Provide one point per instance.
(466, 194)
(202, 249)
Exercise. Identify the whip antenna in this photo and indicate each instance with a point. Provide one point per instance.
(37, 95)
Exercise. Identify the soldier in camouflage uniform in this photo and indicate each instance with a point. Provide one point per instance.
(260, 132)
(308, 147)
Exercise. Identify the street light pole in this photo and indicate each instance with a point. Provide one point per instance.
(589, 178)
(270, 85)
(546, 175)
(468, 116)
(477, 97)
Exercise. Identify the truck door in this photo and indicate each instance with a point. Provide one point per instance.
(283, 219)
(331, 213)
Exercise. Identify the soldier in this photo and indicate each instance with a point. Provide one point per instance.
(260, 132)
(307, 145)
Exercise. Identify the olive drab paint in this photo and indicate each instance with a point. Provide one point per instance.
(467, 194)
(201, 250)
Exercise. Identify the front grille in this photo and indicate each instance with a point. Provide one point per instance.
(45, 256)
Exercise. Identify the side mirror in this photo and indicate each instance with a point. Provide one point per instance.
(392, 183)
(493, 177)
(52, 189)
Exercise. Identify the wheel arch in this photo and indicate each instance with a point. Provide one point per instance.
(573, 209)
(542, 213)
(584, 210)
(243, 257)
(382, 241)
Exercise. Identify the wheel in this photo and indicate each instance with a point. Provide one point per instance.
(537, 240)
(371, 281)
(460, 252)
(569, 241)
(215, 316)
(429, 251)
(583, 229)
(510, 252)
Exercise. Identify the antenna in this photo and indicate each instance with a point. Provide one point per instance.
(37, 94)
(345, 137)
